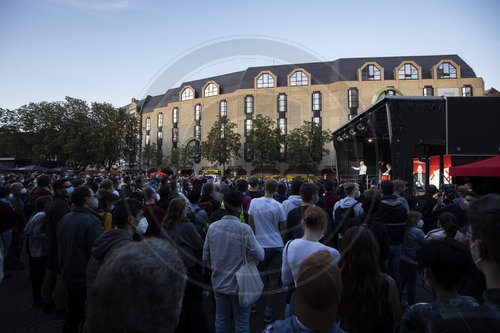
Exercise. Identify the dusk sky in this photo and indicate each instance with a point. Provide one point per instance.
(112, 50)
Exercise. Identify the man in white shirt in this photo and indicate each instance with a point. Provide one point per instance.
(267, 219)
(362, 173)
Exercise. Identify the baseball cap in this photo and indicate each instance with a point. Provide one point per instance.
(319, 287)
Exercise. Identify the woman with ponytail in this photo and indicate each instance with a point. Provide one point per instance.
(295, 251)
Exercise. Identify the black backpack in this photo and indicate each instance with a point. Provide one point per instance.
(342, 215)
(199, 222)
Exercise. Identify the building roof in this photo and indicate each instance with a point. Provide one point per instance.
(344, 69)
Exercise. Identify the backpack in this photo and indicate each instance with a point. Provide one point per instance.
(206, 206)
(342, 215)
(199, 222)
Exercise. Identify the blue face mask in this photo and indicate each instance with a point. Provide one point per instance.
(358, 194)
(69, 190)
(111, 208)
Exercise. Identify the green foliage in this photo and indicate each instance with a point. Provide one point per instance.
(70, 133)
(179, 159)
(222, 143)
(305, 147)
(264, 140)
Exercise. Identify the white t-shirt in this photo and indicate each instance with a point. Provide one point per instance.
(362, 169)
(295, 252)
(267, 213)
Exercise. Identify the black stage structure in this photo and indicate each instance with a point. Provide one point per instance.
(397, 129)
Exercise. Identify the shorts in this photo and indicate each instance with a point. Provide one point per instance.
(271, 265)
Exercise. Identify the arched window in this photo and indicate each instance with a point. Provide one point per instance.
(446, 71)
(265, 81)
(175, 115)
(408, 72)
(211, 90)
(187, 94)
(299, 78)
(370, 73)
(223, 108)
(160, 120)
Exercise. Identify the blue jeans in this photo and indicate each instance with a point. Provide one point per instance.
(224, 304)
(394, 259)
(408, 280)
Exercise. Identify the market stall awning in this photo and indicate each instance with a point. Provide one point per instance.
(486, 168)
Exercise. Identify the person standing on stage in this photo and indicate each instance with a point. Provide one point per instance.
(362, 172)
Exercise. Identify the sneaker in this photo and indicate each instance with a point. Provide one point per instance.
(253, 308)
(268, 315)
(60, 316)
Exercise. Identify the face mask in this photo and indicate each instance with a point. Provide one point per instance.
(111, 208)
(478, 260)
(142, 226)
(157, 197)
(11, 196)
(23, 191)
(69, 190)
(420, 224)
(95, 203)
(358, 194)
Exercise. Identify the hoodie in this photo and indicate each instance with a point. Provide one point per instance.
(393, 214)
(292, 202)
(103, 246)
(346, 203)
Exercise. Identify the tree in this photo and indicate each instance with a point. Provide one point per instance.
(305, 147)
(222, 143)
(264, 140)
(179, 159)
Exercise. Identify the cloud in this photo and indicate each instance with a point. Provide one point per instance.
(98, 5)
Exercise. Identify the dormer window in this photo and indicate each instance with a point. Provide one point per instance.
(370, 73)
(187, 94)
(408, 72)
(211, 90)
(446, 71)
(265, 81)
(299, 78)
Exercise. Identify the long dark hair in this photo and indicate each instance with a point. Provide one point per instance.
(175, 213)
(362, 297)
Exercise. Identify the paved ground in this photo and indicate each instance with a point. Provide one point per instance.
(16, 314)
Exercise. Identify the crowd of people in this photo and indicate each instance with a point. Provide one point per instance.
(139, 254)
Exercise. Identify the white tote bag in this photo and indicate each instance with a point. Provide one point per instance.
(249, 282)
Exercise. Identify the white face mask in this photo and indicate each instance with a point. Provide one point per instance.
(23, 191)
(11, 196)
(420, 224)
(157, 197)
(142, 226)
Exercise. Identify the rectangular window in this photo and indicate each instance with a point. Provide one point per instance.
(467, 90)
(248, 126)
(160, 120)
(197, 112)
(175, 135)
(248, 152)
(428, 91)
(353, 101)
(316, 120)
(148, 124)
(223, 108)
(160, 135)
(249, 104)
(281, 103)
(148, 139)
(197, 132)
(282, 125)
(316, 101)
(175, 115)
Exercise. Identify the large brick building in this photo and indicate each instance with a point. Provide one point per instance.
(329, 93)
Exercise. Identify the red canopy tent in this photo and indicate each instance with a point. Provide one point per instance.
(486, 168)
